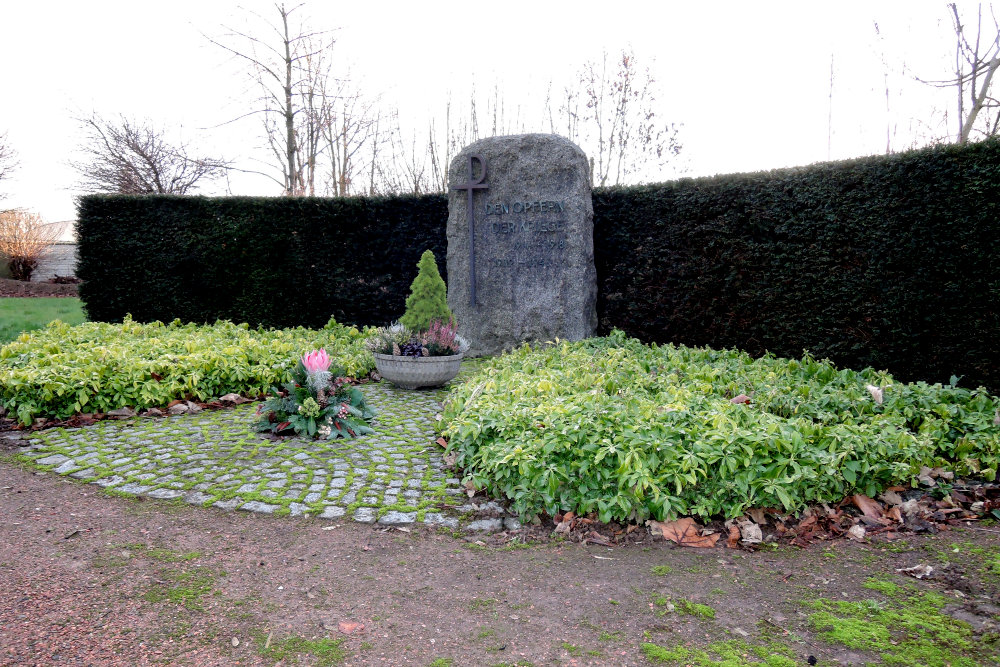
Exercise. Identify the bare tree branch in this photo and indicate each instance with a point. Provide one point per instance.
(128, 157)
(291, 67)
(8, 160)
(977, 58)
(617, 125)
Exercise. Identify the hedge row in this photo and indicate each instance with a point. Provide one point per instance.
(888, 261)
(278, 262)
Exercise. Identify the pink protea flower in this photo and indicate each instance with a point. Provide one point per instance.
(317, 360)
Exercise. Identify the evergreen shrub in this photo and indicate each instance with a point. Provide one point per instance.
(272, 261)
(889, 261)
(428, 299)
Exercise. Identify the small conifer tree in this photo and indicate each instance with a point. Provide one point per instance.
(428, 298)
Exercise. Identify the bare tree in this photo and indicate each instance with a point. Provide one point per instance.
(352, 126)
(291, 69)
(977, 58)
(24, 240)
(132, 157)
(618, 124)
(8, 160)
(442, 146)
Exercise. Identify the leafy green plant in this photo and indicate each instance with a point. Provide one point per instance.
(63, 370)
(629, 431)
(316, 402)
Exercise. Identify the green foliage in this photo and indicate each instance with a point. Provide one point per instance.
(96, 367)
(630, 431)
(18, 315)
(271, 261)
(330, 408)
(428, 300)
(888, 261)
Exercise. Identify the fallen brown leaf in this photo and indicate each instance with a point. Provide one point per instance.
(734, 537)
(596, 538)
(751, 532)
(350, 627)
(868, 507)
(684, 532)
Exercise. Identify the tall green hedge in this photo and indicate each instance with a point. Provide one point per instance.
(890, 261)
(271, 261)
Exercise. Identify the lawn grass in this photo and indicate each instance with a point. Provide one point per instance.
(24, 314)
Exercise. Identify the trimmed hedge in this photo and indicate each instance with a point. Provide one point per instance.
(890, 262)
(277, 262)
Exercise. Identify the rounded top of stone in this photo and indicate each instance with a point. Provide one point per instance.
(521, 142)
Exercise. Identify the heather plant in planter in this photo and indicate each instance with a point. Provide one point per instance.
(423, 349)
(316, 403)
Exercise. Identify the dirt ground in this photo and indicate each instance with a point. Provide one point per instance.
(88, 578)
(92, 579)
(18, 288)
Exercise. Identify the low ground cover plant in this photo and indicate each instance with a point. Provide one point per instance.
(630, 431)
(63, 370)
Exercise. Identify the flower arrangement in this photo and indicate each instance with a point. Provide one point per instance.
(441, 339)
(316, 403)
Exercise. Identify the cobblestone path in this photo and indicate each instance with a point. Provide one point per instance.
(214, 458)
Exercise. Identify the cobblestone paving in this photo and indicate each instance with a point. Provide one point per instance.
(214, 458)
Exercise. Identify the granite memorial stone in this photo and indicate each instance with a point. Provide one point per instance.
(521, 242)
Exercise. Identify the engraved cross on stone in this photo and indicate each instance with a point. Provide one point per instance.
(471, 185)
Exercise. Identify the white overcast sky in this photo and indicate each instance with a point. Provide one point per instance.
(749, 81)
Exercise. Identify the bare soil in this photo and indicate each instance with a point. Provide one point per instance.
(19, 288)
(91, 579)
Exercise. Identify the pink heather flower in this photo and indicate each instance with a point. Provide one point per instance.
(317, 360)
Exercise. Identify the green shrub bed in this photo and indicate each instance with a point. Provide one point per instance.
(63, 370)
(630, 431)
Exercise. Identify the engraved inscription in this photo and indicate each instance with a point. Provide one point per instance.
(526, 236)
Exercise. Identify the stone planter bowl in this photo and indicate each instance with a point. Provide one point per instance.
(416, 372)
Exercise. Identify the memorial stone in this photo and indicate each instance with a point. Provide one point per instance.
(521, 242)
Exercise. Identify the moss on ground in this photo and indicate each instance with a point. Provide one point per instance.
(324, 652)
(903, 626)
